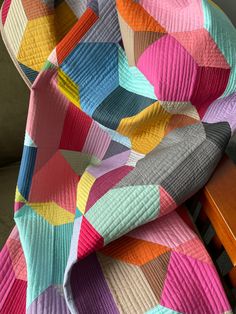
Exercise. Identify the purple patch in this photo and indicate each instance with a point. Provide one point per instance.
(223, 109)
(50, 301)
(89, 288)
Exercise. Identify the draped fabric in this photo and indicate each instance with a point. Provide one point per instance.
(132, 105)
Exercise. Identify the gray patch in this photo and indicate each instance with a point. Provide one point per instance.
(114, 149)
(218, 133)
(93, 4)
(193, 172)
(159, 164)
(106, 29)
(78, 7)
(52, 3)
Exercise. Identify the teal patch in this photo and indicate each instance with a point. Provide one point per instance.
(28, 141)
(46, 250)
(224, 34)
(78, 213)
(161, 310)
(132, 79)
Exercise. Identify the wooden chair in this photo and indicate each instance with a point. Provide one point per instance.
(214, 208)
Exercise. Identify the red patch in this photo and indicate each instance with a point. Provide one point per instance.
(75, 129)
(89, 239)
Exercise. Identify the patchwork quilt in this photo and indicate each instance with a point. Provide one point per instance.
(132, 105)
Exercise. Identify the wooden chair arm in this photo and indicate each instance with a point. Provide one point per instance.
(218, 199)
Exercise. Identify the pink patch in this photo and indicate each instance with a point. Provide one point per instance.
(97, 141)
(202, 48)
(57, 182)
(5, 9)
(18, 259)
(47, 110)
(43, 156)
(7, 276)
(14, 234)
(104, 183)
(175, 15)
(75, 130)
(194, 248)
(193, 287)
(89, 239)
(169, 230)
(177, 77)
(167, 204)
(53, 57)
(169, 68)
(18, 205)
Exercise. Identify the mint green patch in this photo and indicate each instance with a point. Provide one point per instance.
(28, 141)
(123, 209)
(224, 34)
(161, 310)
(79, 161)
(46, 249)
(48, 65)
(132, 79)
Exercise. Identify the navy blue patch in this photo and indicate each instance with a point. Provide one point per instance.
(118, 105)
(30, 73)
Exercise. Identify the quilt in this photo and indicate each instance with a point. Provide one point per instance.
(132, 105)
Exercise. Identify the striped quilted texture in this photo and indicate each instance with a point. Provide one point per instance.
(132, 105)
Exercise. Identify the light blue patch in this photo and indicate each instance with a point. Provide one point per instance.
(26, 170)
(117, 137)
(94, 68)
(74, 247)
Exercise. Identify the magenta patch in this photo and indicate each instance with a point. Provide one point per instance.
(104, 183)
(5, 9)
(189, 280)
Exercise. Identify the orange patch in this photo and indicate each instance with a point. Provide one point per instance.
(138, 18)
(179, 121)
(133, 251)
(69, 42)
(36, 8)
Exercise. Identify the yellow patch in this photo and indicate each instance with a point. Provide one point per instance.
(53, 213)
(146, 129)
(68, 88)
(83, 189)
(42, 34)
(19, 197)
